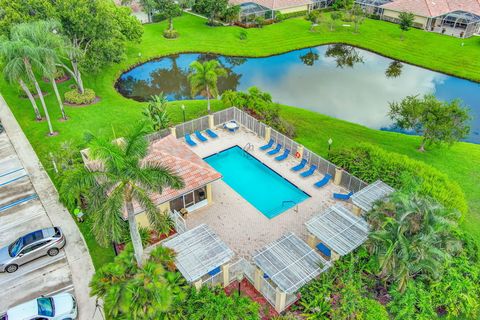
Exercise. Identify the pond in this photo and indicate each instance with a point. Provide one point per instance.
(337, 80)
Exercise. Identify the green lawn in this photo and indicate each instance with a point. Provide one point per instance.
(114, 113)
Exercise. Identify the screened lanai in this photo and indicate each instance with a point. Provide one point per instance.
(372, 6)
(199, 251)
(366, 197)
(290, 263)
(339, 229)
(249, 11)
(458, 23)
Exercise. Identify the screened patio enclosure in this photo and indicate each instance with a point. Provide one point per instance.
(365, 198)
(249, 11)
(290, 263)
(338, 229)
(198, 252)
(372, 6)
(461, 24)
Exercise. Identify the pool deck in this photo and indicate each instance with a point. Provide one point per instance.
(240, 224)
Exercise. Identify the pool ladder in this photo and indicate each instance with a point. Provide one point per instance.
(248, 147)
(291, 201)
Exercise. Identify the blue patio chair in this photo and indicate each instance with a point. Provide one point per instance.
(211, 134)
(268, 145)
(324, 181)
(265, 276)
(309, 172)
(276, 150)
(300, 166)
(283, 156)
(324, 249)
(342, 196)
(200, 136)
(214, 271)
(189, 141)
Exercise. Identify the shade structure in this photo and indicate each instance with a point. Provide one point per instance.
(366, 197)
(339, 229)
(290, 262)
(199, 251)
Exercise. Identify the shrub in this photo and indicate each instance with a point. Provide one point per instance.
(158, 17)
(372, 309)
(279, 17)
(75, 97)
(260, 21)
(243, 35)
(294, 14)
(170, 34)
(371, 163)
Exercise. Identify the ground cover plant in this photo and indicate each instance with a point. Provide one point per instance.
(113, 114)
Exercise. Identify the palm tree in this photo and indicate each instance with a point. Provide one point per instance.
(14, 69)
(122, 178)
(43, 35)
(32, 57)
(204, 77)
(412, 237)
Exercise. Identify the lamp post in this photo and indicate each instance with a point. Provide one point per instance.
(239, 279)
(183, 110)
(330, 141)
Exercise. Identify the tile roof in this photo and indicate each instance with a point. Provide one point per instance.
(176, 155)
(275, 4)
(434, 8)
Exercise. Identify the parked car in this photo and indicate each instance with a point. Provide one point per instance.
(29, 247)
(61, 306)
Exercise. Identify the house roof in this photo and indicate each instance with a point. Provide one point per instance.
(434, 8)
(177, 156)
(275, 4)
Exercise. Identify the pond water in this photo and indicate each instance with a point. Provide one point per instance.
(337, 80)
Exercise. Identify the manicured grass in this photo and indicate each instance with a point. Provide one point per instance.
(114, 113)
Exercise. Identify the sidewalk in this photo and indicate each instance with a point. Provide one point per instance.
(77, 254)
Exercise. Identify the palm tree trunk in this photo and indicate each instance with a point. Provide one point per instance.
(25, 88)
(59, 99)
(78, 77)
(134, 234)
(170, 21)
(208, 100)
(40, 95)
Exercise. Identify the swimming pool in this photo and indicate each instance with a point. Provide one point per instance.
(262, 187)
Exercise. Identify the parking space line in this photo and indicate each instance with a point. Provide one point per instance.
(10, 172)
(68, 289)
(18, 222)
(13, 180)
(20, 201)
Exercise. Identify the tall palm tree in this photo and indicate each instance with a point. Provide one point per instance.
(32, 57)
(14, 69)
(412, 237)
(204, 77)
(43, 34)
(121, 179)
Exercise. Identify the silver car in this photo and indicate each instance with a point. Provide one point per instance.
(29, 247)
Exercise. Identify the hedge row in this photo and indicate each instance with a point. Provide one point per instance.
(371, 163)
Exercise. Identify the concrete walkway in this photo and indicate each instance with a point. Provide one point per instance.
(76, 252)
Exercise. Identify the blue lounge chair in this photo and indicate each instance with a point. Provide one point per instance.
(211, 134)
(324, 181)
(300, 166)
(200, 136)
(276, 150)
(342, 196)
(214, 271)
(324, 249)
(309, 172)
(189, 141)
(283, 156)
(268, 145)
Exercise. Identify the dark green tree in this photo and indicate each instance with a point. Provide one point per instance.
(405, 21)
(437, 121)
(169, 9)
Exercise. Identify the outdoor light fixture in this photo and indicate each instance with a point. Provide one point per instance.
(330, 141)
(183, 110)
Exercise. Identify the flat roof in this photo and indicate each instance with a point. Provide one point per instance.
(366, 197)
(290, 262)
(339, 229)
(199, 251)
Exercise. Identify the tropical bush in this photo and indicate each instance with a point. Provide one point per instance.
(371, 163)
(75, 97)
(260, 105)
(170, 34)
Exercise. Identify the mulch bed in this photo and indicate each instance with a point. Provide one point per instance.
(97, 100)
(155, 237)
(267, 312)
(58, 80)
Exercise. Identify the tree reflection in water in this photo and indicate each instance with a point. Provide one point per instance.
(394, 69)
(345, 56)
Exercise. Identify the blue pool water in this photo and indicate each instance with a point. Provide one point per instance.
(255, 182)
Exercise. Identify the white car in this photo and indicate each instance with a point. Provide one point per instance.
(61, 306)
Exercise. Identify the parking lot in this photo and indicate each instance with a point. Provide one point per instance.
(21, 212)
